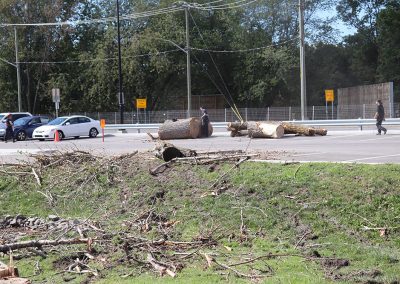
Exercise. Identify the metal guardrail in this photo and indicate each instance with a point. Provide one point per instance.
(340, 122)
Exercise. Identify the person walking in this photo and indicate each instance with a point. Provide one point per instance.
(9, 129)
(380, 117)
(204, 122)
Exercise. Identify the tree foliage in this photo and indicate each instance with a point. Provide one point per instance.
(81, 59)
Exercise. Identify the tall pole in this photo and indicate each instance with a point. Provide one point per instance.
(18, 70)
(302, 62)
(120, 90)
(188, 75)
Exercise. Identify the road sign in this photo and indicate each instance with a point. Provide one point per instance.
(102, 123)
(329, 95)
(141, 103)
(56, 95)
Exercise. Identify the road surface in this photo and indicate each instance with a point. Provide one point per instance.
(338, 146)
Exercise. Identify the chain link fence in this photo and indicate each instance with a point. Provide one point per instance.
(248, 114)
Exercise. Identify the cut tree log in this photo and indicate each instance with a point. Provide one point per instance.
(180, 129)
(168, 151)
(40, 243)
(7, 271)
(239, 128)
(189, 128)
(265, 130)
(291, 128)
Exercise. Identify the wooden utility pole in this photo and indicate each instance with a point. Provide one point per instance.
(302, 62)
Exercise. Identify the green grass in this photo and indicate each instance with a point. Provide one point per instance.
(326, 205)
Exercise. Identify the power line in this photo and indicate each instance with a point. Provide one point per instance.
(245, 50)
(101, 20)
(100, 60)
(233, 5)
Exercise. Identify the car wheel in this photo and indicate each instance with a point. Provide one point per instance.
(93, 133)
(60, 134)
(21, 136)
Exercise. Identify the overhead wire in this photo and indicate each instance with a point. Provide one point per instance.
(100, 20)
(99, 60)
(232, 5)
(245, 50)
(233, 106)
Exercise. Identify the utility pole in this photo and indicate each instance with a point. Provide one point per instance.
(18, 70)
(120, 90)
(302, 62)
(188, 74)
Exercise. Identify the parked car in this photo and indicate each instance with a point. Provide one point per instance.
(24, 127)
(15, 116)
(68, 126)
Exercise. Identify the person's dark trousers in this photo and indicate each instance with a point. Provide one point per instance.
(9, 135)
(380, 127)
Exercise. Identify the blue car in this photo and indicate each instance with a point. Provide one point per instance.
(23, 127)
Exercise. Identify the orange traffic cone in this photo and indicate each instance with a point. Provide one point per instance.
(56, 136)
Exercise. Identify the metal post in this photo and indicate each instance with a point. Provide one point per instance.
(268, 113)
(225, 114)
(364, 111)
(332, 111)
(188, 75)
(18, 71)
(290, 113)
(120, 91)
(313, 112)
(302, 62)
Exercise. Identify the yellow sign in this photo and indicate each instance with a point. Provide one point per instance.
(141, 103)
(329, 95)
(103, 123)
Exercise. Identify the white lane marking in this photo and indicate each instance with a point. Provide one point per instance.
(7, 152)
(372, 158)
(309, 154)
(382, 137)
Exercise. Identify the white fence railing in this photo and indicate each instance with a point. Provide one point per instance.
(318, 123)
(258, 114)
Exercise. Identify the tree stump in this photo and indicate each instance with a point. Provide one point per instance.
(167, 152)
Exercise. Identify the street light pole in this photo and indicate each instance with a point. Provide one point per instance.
(188, 74)
(17, 65)
(302, 62)
(120, 90)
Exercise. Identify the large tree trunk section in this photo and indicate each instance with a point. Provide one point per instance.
(210, 130)
(298, 129)
(167, 152)
(180, 129)
(254, 130)
(265, 130)
(189, 128)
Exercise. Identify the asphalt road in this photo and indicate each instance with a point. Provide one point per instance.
(338, 146)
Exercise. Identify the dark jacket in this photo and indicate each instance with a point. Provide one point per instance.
(381, 112)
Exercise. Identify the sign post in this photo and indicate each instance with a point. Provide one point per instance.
(329, 97)
(141, 104)
(102, 125)
(56, 99)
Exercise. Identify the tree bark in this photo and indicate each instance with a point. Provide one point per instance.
(298, 129)
(180, 129)
(189, 128)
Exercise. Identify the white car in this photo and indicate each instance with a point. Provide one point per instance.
(68, 126)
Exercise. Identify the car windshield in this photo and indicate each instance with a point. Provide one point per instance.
(22, 121)
(57, 121)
